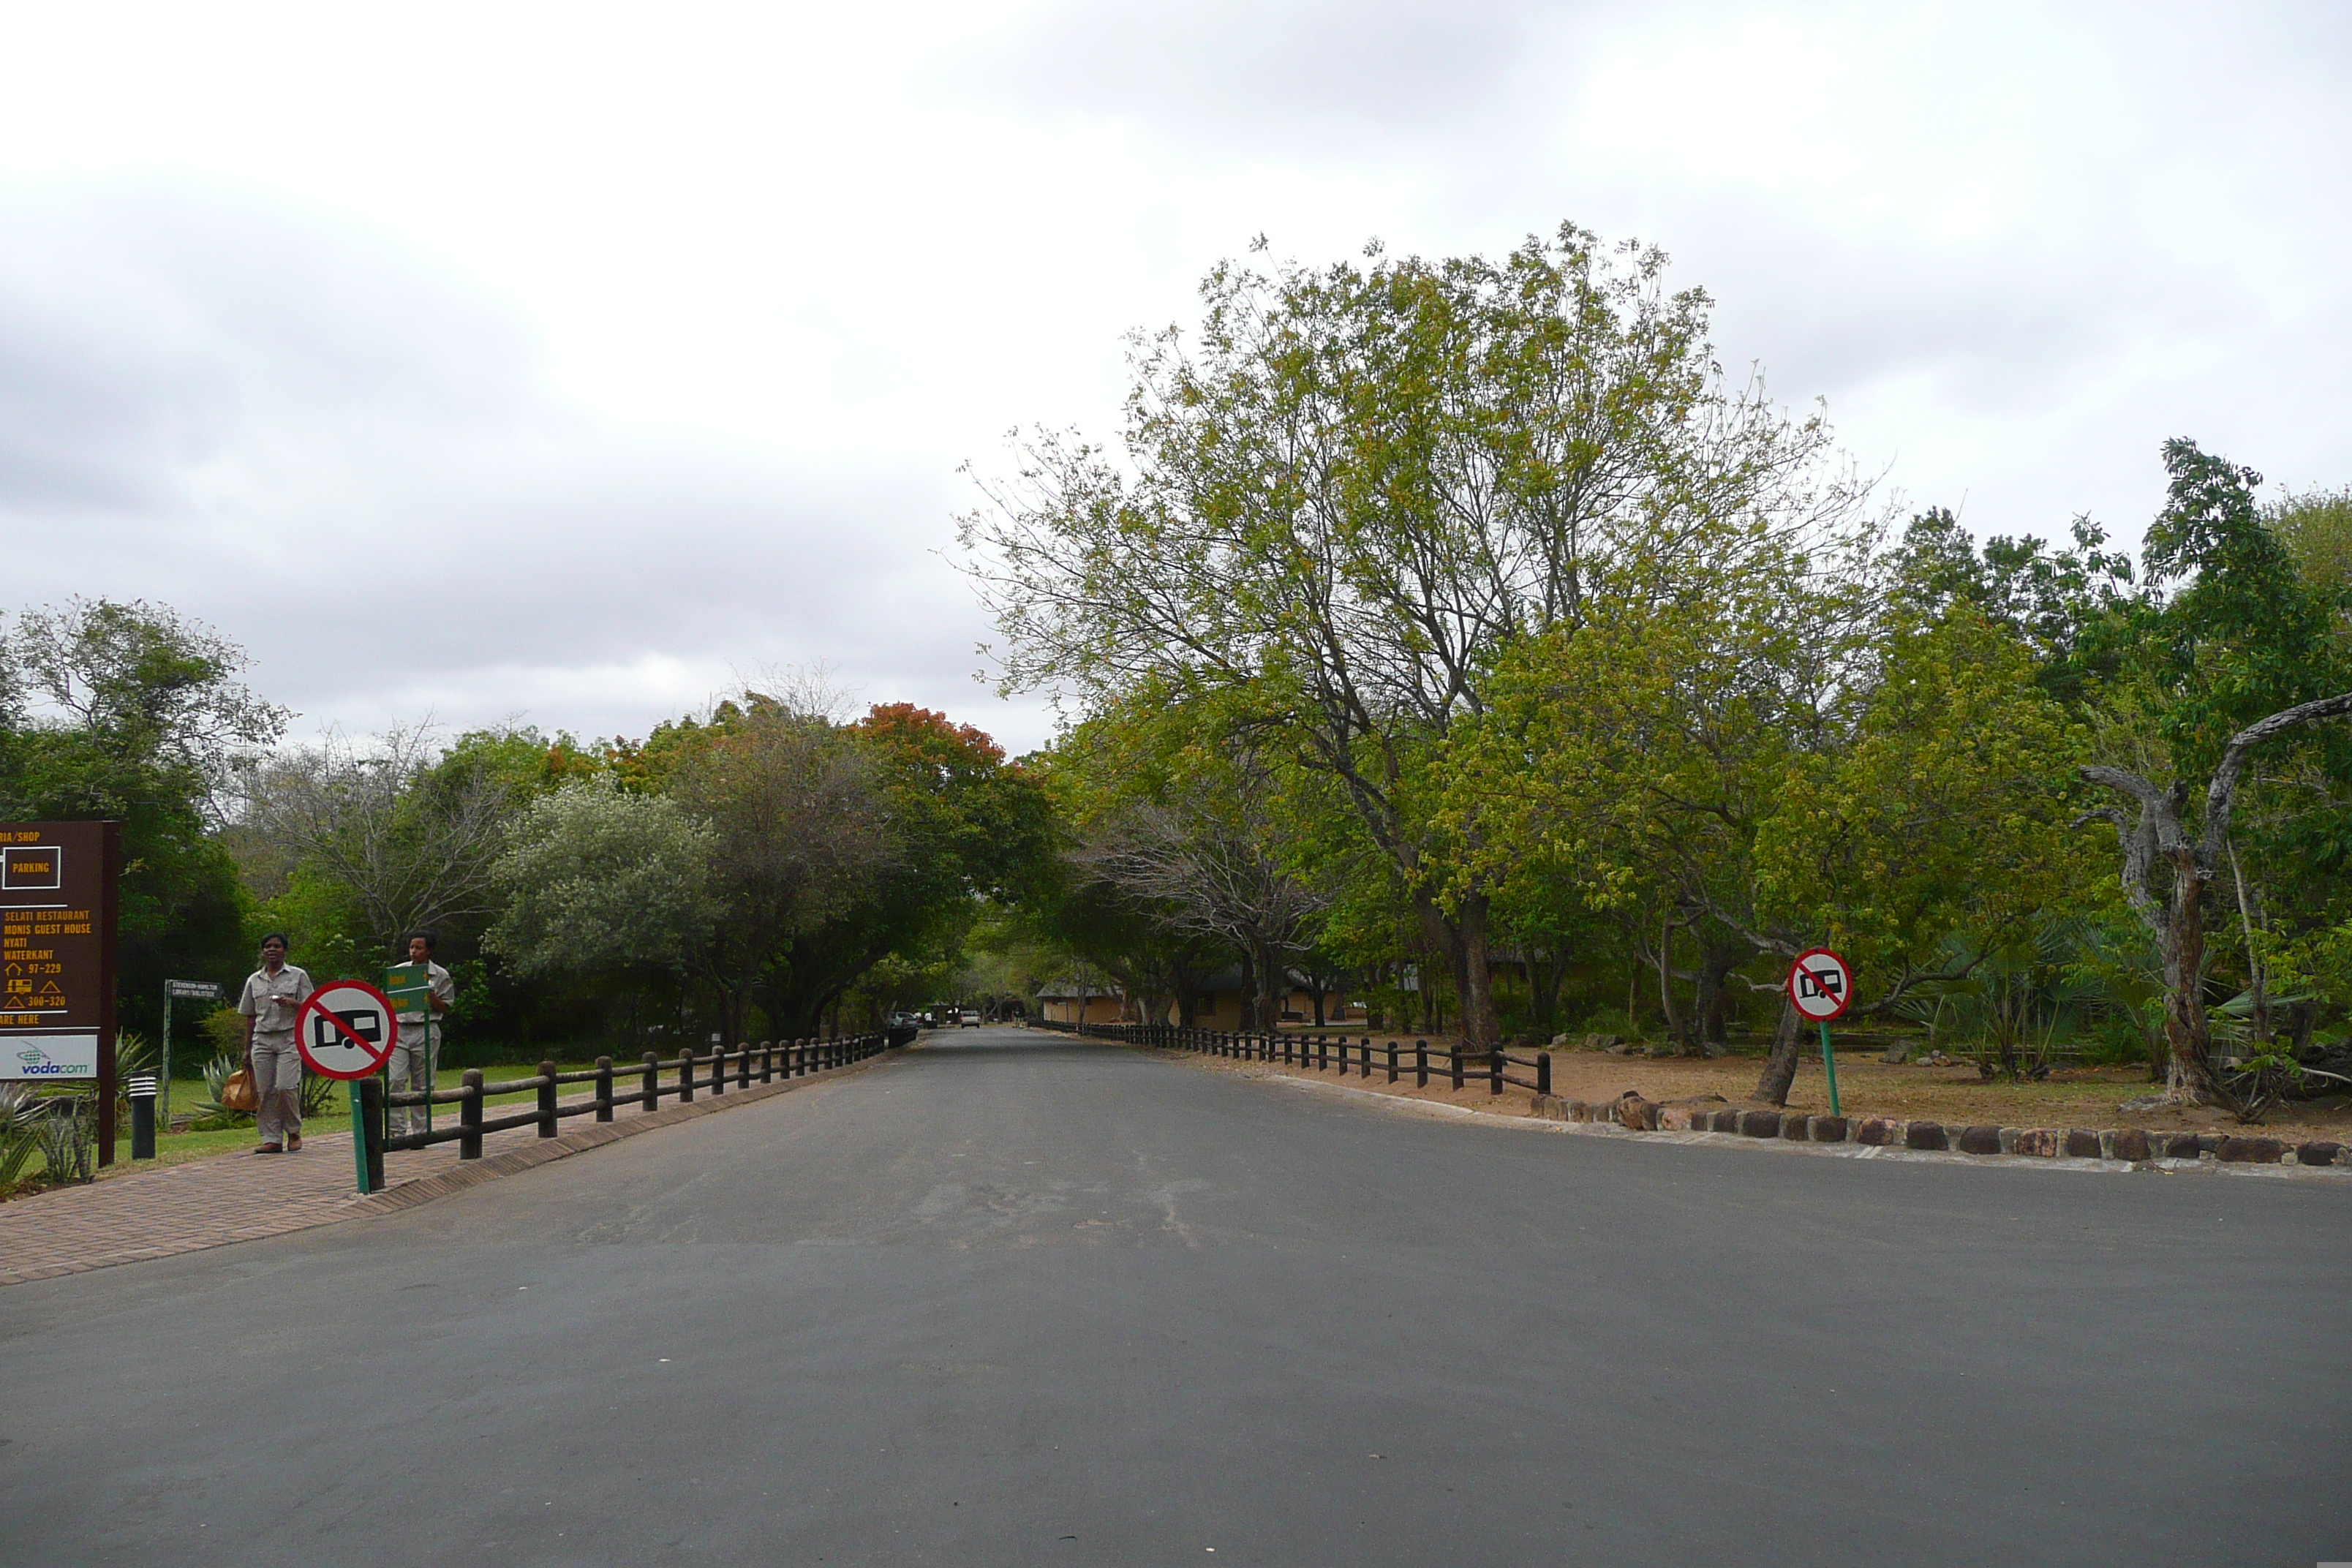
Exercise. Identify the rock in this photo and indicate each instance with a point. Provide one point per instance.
(1759, 1124)
(1826, 1129)
(1724, 1120)
(2250, 1151)
(2009, 1139)
(1878, 1132)
(2181, 1146)
(2318, 1152)
(1617, 1048)
(1978, 1139)
(1579, 1111)
(1896, 1054)
(1634, 1113)
(1559, 1042)
(2131, 1143)
(2146, 1102)
(2081, 1144)
(1674, 1119)
(2040, 1142)
(2209, 1142)
(1792, 1126)
(1924, 1135)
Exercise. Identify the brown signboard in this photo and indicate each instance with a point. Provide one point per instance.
(57, 957)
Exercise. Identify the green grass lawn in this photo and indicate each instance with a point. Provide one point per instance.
(187, 1094)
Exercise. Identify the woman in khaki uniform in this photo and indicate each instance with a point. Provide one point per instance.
(273, 994)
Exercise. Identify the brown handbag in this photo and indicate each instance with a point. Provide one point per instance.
(238, 1093)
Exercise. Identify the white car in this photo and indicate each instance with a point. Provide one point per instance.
(968, 1019)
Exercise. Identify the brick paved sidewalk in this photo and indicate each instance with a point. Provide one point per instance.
(244, 1196)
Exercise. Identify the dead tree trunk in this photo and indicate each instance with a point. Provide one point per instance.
(2177, 919)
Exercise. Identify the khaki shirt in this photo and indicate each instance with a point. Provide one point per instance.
(272, 1000)
(444, 990)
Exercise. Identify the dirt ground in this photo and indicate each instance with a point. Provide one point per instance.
(2082, 1097)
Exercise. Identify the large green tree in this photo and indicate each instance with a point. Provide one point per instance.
(128, 710)
(1352, 489)
(2227, 750)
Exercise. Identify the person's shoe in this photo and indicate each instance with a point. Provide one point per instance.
(270, 1149)
(294, 1144)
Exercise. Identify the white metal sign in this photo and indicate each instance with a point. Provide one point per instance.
(1821, 984)
(42, 1058)
(345, 1029)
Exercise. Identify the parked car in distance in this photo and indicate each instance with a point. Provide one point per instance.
(905, 1021)
(968, 1019)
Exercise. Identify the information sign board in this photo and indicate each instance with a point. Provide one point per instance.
(410, 985)
(57, 957)
(346, 1030)
(192, 990)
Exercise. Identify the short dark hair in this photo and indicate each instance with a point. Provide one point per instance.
(431, 942)
(279, 938)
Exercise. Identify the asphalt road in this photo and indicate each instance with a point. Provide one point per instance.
(1009, 1299)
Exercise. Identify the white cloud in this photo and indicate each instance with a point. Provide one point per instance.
(653, 340)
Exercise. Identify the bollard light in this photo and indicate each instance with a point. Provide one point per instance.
(142, 1116)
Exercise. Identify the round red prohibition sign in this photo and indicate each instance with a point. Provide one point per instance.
(346, 1030)
(1820, 985)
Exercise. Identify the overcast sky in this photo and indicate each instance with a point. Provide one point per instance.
(570, 363)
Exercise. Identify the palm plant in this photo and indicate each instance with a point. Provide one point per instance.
(2007, 1008)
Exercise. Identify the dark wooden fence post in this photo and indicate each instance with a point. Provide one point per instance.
(1392, 1066)
(650, 1094)
(686, 1075)
(1421, 1064)
(767, 1061)
(743, 1068)
(470, 1116)
(1454, 1060)
(547, 1100)
(1494, 1070)
(719, 1068)
(603, 1088)
(1543, 1072)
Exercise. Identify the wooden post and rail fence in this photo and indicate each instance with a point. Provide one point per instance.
(1319, 1052)
(641, 1084)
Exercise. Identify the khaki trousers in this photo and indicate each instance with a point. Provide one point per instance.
(415, 1062)
(278, 1079)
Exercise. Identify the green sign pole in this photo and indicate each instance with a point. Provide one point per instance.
(1829, 1063)
(359, 1137)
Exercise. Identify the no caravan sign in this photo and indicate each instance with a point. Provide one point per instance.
(1820, 985)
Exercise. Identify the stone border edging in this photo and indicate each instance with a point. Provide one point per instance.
(473, 1173)
(1851, 1149)
(2130, 1146)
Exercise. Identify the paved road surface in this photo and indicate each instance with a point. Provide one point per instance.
(1014, 1299)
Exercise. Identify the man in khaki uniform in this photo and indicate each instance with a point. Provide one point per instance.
(273, 994)
(418, 1055)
